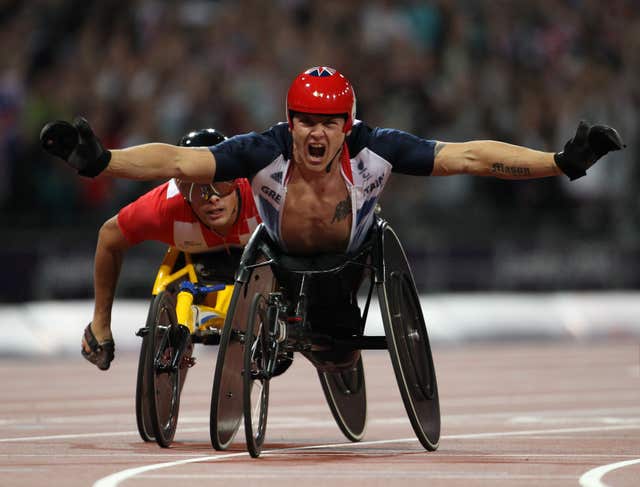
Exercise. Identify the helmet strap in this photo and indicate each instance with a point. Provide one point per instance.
(328, 168)
(190, 199)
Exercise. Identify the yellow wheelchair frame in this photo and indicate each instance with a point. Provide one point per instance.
(184, 310)
(201, 319)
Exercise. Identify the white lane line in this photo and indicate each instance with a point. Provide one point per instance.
(282, 423)
(67, 405)
(87, 435)
(386, 451)
(362, 474)
(279, 417)
(542, 431)
(114, 479)
(529, 399)
(17, 469)
(67, 437)
(593, 477)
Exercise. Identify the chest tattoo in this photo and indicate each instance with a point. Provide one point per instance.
(343, 210)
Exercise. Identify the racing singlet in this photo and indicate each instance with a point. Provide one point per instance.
(163, 215)
(373, 154)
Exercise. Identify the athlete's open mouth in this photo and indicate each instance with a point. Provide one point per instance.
(316, 150)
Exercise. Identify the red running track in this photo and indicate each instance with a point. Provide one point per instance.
(527, 414)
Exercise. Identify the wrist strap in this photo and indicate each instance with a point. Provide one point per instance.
(572, 171)
(99, 165)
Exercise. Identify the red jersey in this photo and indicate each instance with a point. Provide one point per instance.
(164, 215)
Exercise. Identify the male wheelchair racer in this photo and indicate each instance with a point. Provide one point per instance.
(275, 310)
(191, 295)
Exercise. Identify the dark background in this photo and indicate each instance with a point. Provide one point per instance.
(452, 70)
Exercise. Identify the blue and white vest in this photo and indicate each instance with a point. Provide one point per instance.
(373, 154)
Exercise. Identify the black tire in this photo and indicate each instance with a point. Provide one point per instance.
(255, 378)
(345, 393)
(408, 343)
(143, 414)
(164, 382)
(227, 392)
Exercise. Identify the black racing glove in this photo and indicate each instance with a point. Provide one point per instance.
(590, 143)
(77, 145)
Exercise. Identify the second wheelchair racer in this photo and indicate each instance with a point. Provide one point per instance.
(216, 219)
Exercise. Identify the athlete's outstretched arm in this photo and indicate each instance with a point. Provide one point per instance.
(491, 158)
(81, 149)
(110, 251)
(161, 161)
(507, 161)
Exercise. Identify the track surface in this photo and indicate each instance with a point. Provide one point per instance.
(525, 414)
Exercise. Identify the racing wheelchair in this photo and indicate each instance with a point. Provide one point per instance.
(188, 306)
(273, 314)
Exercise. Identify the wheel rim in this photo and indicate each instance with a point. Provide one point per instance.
(143, 415)
(166, 381)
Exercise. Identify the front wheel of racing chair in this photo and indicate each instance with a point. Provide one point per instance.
(143, 414)
(168, 351)
(407, 339)
(260, 351)
(254, 277)
(159, 379)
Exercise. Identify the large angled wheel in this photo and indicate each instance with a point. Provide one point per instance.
(345, 393)
(227, 393)
(408, 342)
(168, 352)
(259, 353)
(143, 414)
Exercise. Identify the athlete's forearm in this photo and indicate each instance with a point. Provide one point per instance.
(107, 264)
(509, 161)
(162, 161)
(492, 158)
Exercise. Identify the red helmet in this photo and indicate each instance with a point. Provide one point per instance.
(322, 90)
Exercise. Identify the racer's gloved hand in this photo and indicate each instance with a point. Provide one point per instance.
(77, 145)
(590, 143)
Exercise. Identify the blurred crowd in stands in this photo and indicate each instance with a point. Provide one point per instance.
(512, 70)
